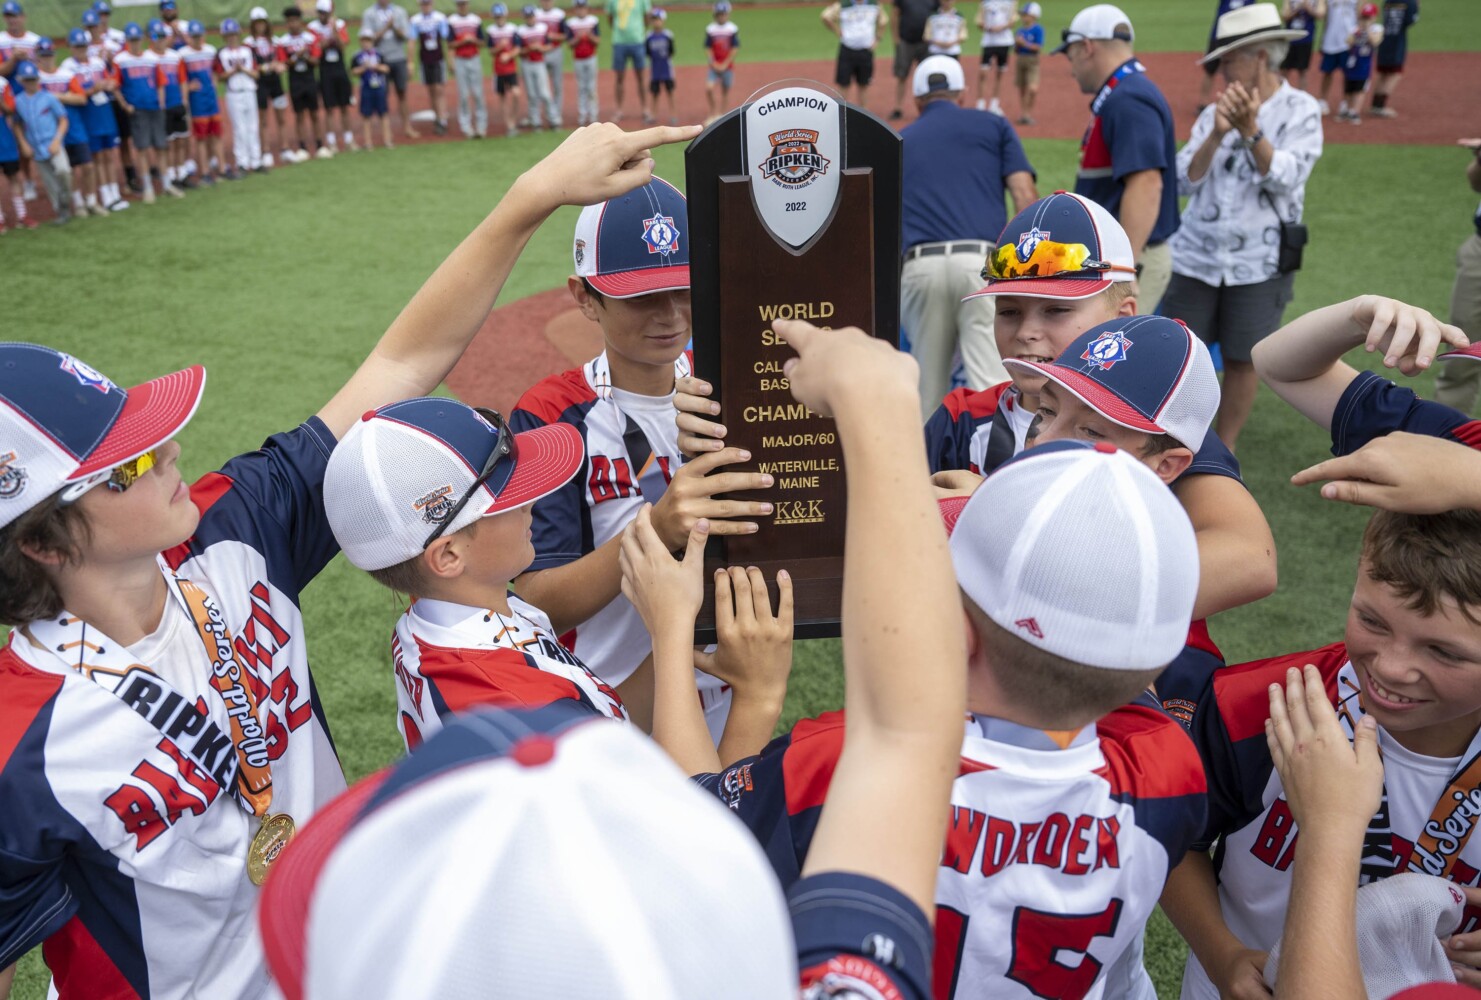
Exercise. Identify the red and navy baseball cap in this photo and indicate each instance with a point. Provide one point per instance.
(1060, 247)
(1148, 373)
(634, 245)
(402, 469)
(64, 424)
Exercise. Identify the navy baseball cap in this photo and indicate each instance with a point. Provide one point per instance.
(499, 10)
(167, 4)
(527, 10)
(102, 7)
(722, 6)
(132, 32)
(26, 70)
(157, 30)
(64, 424)
(11, 8)
(230, 27)
(659, 13)
(637, 244)
(1061, 247)
(89, 19)
(77, 37)
(46, 47)
(1147, 373)
(195, 29)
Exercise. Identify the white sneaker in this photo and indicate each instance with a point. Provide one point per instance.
(995, 107)
(325, 153)
(981, 104)
(30, 191)
(1326, 108)
(267, 160)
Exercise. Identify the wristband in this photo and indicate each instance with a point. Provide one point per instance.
(1253, 140)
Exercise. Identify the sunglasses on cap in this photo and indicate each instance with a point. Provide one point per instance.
(118, 479)
(1047, 260)
(1067, 36)
(503, 447)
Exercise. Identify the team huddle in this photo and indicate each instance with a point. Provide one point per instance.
(1040, 741)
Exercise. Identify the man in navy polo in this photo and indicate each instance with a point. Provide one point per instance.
(1128, 158)
(958, 165)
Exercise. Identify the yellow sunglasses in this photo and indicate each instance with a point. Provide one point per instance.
(127, 474)
(1047, 260)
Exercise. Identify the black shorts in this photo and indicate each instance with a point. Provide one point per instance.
(10, 168)
(303, 91)
(78, 154)
(854, 64)
(505, 82)
(996, 54)
(1298, 57)
(269, 88)
(1354, 86)
(654, 86)
(177, 125)
(433, 72)
(1236, 317)
(398, 76)
(335, 86)
(121, 119)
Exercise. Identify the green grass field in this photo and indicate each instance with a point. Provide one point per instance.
(279, 285)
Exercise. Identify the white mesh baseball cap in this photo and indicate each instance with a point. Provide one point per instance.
(1097, 23)
(1063, 246)
(1082, 551)
(544, 855)
(1148, 373)
(401, 471)
(635, 244)
(938, 73)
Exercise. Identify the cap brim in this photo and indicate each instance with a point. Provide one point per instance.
(1472, 353)
(1092, 393)
(1044, 288)
(153, 413)
(548, 457)
(1273, 35)
(951, 511)
(631, 284)
(283, 910)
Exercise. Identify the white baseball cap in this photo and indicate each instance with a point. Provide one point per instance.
(1080, 550)
(402, 470)
(1032, 9)
(938, 73)
(536, 855)
(1097, 23)
(324, 6)
(257, 14)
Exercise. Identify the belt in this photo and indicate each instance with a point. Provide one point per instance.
(1153, 244)
(979, 247)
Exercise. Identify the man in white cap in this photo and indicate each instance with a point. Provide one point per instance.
(1244, 170)
(1127, 157)
(960, 163)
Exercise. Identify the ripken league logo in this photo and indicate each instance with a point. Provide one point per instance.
(435, 505)
(580, 252)
(12, 477)
(794, 162)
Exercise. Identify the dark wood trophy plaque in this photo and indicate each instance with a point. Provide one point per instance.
(794, 212)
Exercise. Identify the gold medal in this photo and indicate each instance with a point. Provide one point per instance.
(271, 838)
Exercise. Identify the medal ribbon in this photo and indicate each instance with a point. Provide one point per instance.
(1129, 68)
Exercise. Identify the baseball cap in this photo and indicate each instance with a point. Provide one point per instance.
(1097, 23)
(938, 73)
(527, 10)
(636, 244)
(89, 18)
(660, 13)
(195, 29)
(950, 509)
(1032, 10)
(1061, 247)
(1471, 353)
(257, 14)
(158, 30)
(499, 10)
(132, 32)
(26, 70)
(539, 855)
(1148, 373)
(76, 37)
(231, 27)
(45, 46)
(722, 6)
(324, 6)
(102, 7)
(401, 470)
(1081, 551)
(167, 4)
(11, 8)
(1368, 10)
(63, 423)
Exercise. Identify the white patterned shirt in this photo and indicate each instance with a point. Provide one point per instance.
(1230, 233)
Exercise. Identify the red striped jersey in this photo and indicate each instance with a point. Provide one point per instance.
(467, 34)
(296, 50)
(529, 35)
(504, 41)
(451, 658)
(554, 20)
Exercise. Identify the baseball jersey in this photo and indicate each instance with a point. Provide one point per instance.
(1000, 13)
(103, 47)
(1247, 808)
(10, 150)
(140, 77)
(429, 30)
(583, 32)
(333, 37)
(372, 77)
(554, 20)
(660, 48)
(451, 658)
(1372, 406)
(200, 68)
(467, 34)
(1055, 855)
(1359, 62)
(858, 25)
(1029, 35)
(1398, 17)
(122, 841)
(1342, 21)
(98, 115)
(264, 50)
(722, 40)
(297, 51)
(944, 33)
(172, 68)
(232, 59)
(62, 81)
(1130, 130)
(528, 36)
(1302, 19)
(504, 42)
(18, 47)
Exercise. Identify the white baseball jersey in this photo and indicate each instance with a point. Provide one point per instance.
(944, 33)
(123, 845)
(997, 12)
(231, 60)
(451, 658)
(1054, 858)
(104, 48)
(22, 46)
(467, 34)
(554, 20)
(1341, 22)
(1248, 809)
(858, 25)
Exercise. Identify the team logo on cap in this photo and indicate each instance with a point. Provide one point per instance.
(1028, 242)
(86, 374)
(435, 505)
(1031, 626)
(794, 161)
(580, 252)
(661, 235)
(12, 477)
(1106, 350)
(848, 978)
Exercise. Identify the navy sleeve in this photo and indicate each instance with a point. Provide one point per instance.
(283, 481)
(561, 522)
(35, 903)
(1213, 458)
(1372, 406)
(755, 789)
(1012, 156)
(858, 938)
(1133, 128)
(947, 445)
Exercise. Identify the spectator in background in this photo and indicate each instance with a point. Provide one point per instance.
(1244, 170)
(1028, 42)
(10, 163)
(554, 20)
(722, 38)
(1398, 17)
(857, 24)
(1301, 15)
(199, 61)
(374, 77)
(238, 67)
(503, 39)
(17, 42)
(467, 42)
(101, 127)
(909, 31)
(429, 29)
(533, 43)
(1357, 68)
(1457, 382)
(71, 91)
(298, 49)
(995, 18)
(627, 19)
(1341, 22)
(43, 122)
(659, 47)
(270, 92)
(335, 87)
(1128, 158)
(390, 27)
(958, 164)
(946, 30)
(1211, 66)
(585, 31)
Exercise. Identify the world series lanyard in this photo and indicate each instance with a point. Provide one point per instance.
(1129, 68)
(248, 773)
(641, 454)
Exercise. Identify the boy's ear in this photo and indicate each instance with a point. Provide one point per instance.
(443, 559)
(1171, 464)
(584, 301)
(1127, 307)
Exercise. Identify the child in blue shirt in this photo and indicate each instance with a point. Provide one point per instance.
(660, 47)
(1028, 42)
(1357, 67)
(10, 161)
(43, 122)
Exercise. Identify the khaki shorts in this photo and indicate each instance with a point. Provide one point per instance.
(1026, 71)
(907, 54)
